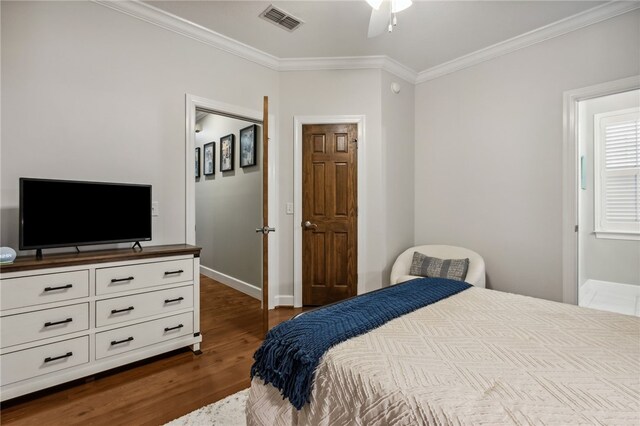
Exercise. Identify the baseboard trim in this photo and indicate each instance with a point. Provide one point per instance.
(284, 300)
(234, 283)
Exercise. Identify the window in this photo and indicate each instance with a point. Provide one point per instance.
(617, 174)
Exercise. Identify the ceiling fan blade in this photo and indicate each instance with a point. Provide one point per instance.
(379, 20)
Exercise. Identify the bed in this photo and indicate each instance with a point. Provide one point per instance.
(477, 357)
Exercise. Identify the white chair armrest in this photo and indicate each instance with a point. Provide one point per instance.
(401, 267)
(476, 273)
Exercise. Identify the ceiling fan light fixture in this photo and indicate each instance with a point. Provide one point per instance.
(399, 5)
(375, 3)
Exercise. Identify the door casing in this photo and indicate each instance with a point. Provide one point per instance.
(570, 178)
(191, 103)
(298, 122)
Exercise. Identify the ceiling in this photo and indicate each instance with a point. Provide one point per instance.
(428, 34)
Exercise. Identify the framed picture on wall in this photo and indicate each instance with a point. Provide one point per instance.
(209, 159)
(226, 153)
(248, 137)
(197, 163)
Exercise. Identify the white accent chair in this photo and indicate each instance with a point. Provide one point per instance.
(475, 274)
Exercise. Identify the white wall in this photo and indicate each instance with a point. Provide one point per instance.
(109, 105)
(387, 212)
(601, 258)
(488, 154)
(229, 206)
(349, 92)
(89, 93)
(398, 140)
(107, 93)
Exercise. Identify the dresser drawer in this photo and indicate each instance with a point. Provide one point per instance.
(39, 289)
(40, 360)
(133, 277)
(38, 325)
(126, 339)
(119, 309)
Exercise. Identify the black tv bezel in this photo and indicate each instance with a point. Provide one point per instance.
(77, 244)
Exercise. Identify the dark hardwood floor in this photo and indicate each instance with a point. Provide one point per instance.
(155, 391)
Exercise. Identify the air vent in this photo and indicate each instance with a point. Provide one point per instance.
(281, 18)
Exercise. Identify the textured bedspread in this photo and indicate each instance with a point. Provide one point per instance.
(479, 357)
(291, 352)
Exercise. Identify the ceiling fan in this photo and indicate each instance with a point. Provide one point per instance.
(383, 15)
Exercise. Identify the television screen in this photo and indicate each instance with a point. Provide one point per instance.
(58, 213)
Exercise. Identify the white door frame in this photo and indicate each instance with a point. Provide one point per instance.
(193, 102)
(570, 176)
(298, 122)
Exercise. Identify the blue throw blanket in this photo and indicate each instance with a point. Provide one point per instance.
(292, 350)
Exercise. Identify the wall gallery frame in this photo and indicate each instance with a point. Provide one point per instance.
(209, 167)
(197, 163)
(248, 137)
(226, 153)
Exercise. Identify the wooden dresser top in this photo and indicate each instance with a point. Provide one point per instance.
(27, 263)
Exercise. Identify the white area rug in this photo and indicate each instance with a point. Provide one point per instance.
(226, 412)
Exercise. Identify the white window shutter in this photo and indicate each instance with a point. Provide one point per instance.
(621, 144)
(621, 198)
(617, 143)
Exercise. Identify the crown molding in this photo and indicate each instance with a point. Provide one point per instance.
(400, 70)
(555, 29)
(350, 63)
(171, 22)
(176, 24)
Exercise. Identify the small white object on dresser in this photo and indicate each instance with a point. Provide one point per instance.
(69, 316)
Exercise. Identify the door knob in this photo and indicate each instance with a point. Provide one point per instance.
(309, 225)
(265, 230)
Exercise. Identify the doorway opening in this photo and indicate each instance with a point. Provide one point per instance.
(232, 157)
(609, 202)
(228, 199)
(572, 176)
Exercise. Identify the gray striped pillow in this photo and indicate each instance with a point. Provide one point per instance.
(425, 266)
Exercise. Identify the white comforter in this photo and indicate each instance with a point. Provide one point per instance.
(479, 357)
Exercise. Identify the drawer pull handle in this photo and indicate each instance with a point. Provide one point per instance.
(62, 287)
(117, 311)
(177, 327)
(55, 358)
(49, 324)
(119, 280)
(177, 299)
(117, 342)
(179, 271)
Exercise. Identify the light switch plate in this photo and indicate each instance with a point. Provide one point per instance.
(289, 208)
(155, 209)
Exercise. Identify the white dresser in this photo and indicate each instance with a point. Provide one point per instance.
(68, 316)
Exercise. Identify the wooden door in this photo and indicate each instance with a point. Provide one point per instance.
(265, 214)
(329, 213)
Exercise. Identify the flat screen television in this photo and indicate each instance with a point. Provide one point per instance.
(63, 213)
